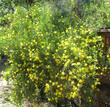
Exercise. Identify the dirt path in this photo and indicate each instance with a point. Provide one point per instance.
(4, 94)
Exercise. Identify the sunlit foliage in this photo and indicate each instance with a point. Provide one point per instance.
(53, 54)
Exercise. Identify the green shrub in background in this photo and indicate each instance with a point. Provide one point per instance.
(97, 17)
(53, 54)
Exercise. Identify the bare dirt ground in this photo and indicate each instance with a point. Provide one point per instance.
(4, 94)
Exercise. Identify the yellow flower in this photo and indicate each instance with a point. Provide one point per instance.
(47, 87)
(62, 73)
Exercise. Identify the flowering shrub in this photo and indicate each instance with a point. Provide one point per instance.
(49, 58)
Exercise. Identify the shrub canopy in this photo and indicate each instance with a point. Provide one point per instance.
(53, 53)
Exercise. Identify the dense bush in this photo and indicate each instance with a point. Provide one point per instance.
(53, 54)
